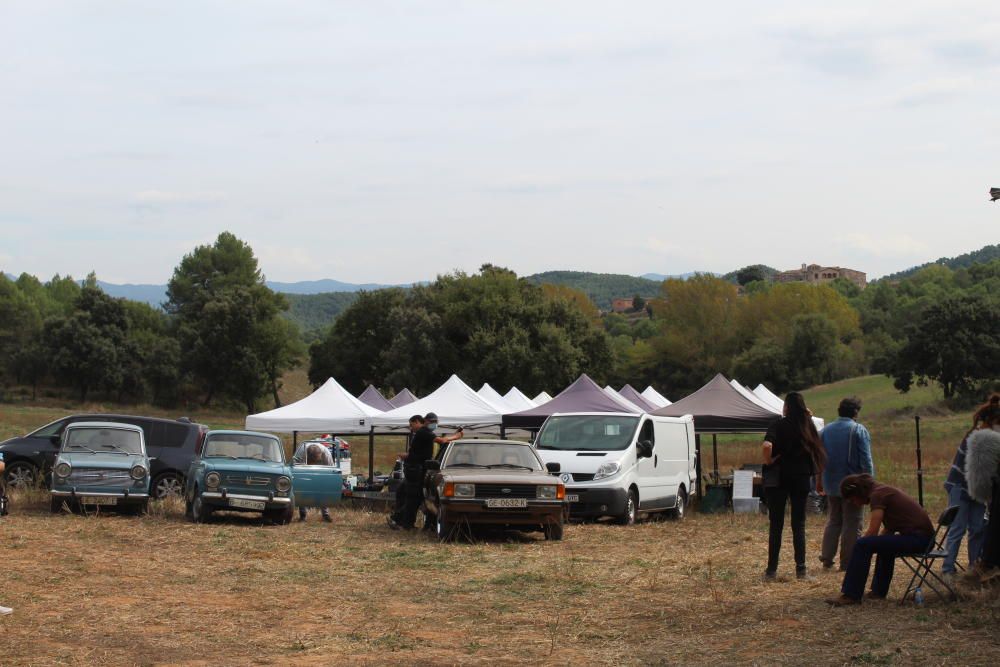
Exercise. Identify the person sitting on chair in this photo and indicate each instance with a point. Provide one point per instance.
(906, 529)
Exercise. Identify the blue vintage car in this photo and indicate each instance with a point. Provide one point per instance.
(101, 464)
(245, 471)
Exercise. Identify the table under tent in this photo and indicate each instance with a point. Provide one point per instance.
(719, 408)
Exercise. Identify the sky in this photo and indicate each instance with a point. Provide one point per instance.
(390, 142)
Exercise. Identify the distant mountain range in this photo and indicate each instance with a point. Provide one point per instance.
(981, 256)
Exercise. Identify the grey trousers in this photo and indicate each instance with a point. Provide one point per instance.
(843, 528)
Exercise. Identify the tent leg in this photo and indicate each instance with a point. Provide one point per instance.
(371, 456)
(503, 432)
(295, 441)
(697, 464)
(715, 457)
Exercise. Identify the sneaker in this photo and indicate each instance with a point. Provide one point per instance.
(827, 564)
(6, 610)
(842, 601)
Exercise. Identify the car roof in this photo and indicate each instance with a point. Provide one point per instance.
(483, 441)
(125, 427)
(110, 416)
(226, 431)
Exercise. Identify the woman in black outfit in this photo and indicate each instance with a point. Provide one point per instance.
(793, 454)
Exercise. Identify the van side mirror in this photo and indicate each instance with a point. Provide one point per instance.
(432, 464)
(553, 467)
(644, 449)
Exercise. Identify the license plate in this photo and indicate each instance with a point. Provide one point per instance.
(506, 502)
(572, 498)
(98, 500)
(247, 504)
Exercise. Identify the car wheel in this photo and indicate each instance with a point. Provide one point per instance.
(631, 509)
(553, 531)
(168, 484)
(56, 505)
(677, 513)
(443, 529)
(281, 517)
(199, 512)
(21, 475)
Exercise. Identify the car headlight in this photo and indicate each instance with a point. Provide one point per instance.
(63, 469)
(212, 480)
(283, 484)
(547, 492)
(607, 470)
(138, 471)
(465, 490)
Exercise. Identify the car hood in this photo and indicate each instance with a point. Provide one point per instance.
(246, 465)
(497, 476)
(101, 460)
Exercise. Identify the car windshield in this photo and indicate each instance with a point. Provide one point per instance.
(587, 432)
(243, 446)
(103, 440)
(490, 455)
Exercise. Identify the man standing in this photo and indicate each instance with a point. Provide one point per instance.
(421, 450)
(416, 423)
(848, 452)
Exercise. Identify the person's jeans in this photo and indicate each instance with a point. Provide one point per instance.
(887, 548)
(971, 517)
(325, 511)
(842, 527)
(797, 491)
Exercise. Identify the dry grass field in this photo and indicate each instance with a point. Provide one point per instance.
(110, 590)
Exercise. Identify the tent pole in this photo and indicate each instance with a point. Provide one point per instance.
(503, 432)
(371, 455)
(920, 466)
(697, 463)
(295, 441)
(715, 457)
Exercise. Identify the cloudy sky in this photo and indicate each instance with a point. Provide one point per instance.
(391, 141)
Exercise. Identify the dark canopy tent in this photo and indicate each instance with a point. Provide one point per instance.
(584, 395)
(371, 396)
(404, 397)
(719, 408)
(631, 395)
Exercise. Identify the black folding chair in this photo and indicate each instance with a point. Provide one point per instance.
(922, 564)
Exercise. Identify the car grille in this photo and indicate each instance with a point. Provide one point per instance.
(246, 480)
(100, 477)
(583, 477)
(512, 491)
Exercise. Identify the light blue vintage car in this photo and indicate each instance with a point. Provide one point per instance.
(101, 464)
(245, 471)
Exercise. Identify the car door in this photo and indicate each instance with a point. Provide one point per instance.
(316, 486)
(651, 489)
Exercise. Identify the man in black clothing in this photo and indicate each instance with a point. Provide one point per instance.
(421, 450)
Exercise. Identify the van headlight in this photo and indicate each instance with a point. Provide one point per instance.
(63, 469)
(465, 490)
(138, 471)
(283, 484)
(212, 480)
(547, 492)
(607, 470)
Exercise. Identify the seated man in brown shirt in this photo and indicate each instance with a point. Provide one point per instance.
(906, 529)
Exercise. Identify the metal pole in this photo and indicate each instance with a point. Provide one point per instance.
(697, 463)
(295, 440)
(503, 432)
(715, 457)
(920, 466)
(371, 456)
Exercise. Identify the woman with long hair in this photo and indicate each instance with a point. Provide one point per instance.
(793, 455)
(982, 472)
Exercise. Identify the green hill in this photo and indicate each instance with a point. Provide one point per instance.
(600, 287)
(981, 256)
(313, 312)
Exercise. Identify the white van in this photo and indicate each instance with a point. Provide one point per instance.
(621, 465)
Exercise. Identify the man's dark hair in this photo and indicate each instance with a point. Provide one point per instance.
(849, 407)
(416, 419)
(857, 486)
(430, 417)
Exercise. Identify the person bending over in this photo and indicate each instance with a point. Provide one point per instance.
(906, 529)
(314, 454)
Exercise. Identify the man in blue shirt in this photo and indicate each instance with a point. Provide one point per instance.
(848, 452)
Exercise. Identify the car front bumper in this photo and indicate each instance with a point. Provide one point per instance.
(220, 499)
(124, 498)
(594, 503)
(475, 511)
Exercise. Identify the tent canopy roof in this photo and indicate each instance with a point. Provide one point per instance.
(455, 404)
(543, 397)
(655, 397)
(373, 397)
(629, 393)
(584, 395)
(494, 398)
(404, 397)
(769, 397)
(719, 408)
(331, 408)
(517, 400)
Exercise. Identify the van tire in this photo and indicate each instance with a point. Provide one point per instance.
(166, 484)
(21, 475)
(677, 513)
(631, 509)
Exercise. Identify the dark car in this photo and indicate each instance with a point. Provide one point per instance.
(170, 444)
(499, 483)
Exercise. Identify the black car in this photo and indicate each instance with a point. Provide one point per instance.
(170, 444)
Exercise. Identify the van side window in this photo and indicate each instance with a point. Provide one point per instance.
(647, 432)
(55, 428)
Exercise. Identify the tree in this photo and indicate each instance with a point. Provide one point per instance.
(280, 348)
(811, 349)
(638, 303)
(753, 273)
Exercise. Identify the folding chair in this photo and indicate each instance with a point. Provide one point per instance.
(921, 564)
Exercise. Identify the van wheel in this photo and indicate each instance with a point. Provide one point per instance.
(677, 513)
(168, 484)
(21, 475)
(631, 509)
(553, 531)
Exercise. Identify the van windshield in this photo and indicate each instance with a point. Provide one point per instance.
(587, 432)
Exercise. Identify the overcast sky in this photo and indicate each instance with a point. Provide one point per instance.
(392, 141)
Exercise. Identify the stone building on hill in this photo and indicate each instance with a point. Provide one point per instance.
(818, 275)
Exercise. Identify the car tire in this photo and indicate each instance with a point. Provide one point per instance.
(56, 505)
(21, 474)
(165, 484)
(677, 513)
(631, 514)
(443, 529)
(199, 512)
(281, 517)
(553, 531)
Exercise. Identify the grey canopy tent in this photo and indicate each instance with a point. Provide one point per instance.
(404, 397)
(629, 393)
(584, 395)
(373, 397)
(719, 408)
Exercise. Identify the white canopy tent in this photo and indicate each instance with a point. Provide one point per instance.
(331, 408)
(494, 398)
(455, 404)
(773, 403)
(769, 397)
(627, 404)
(518, 401)
(655, 397)
(543, 397)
